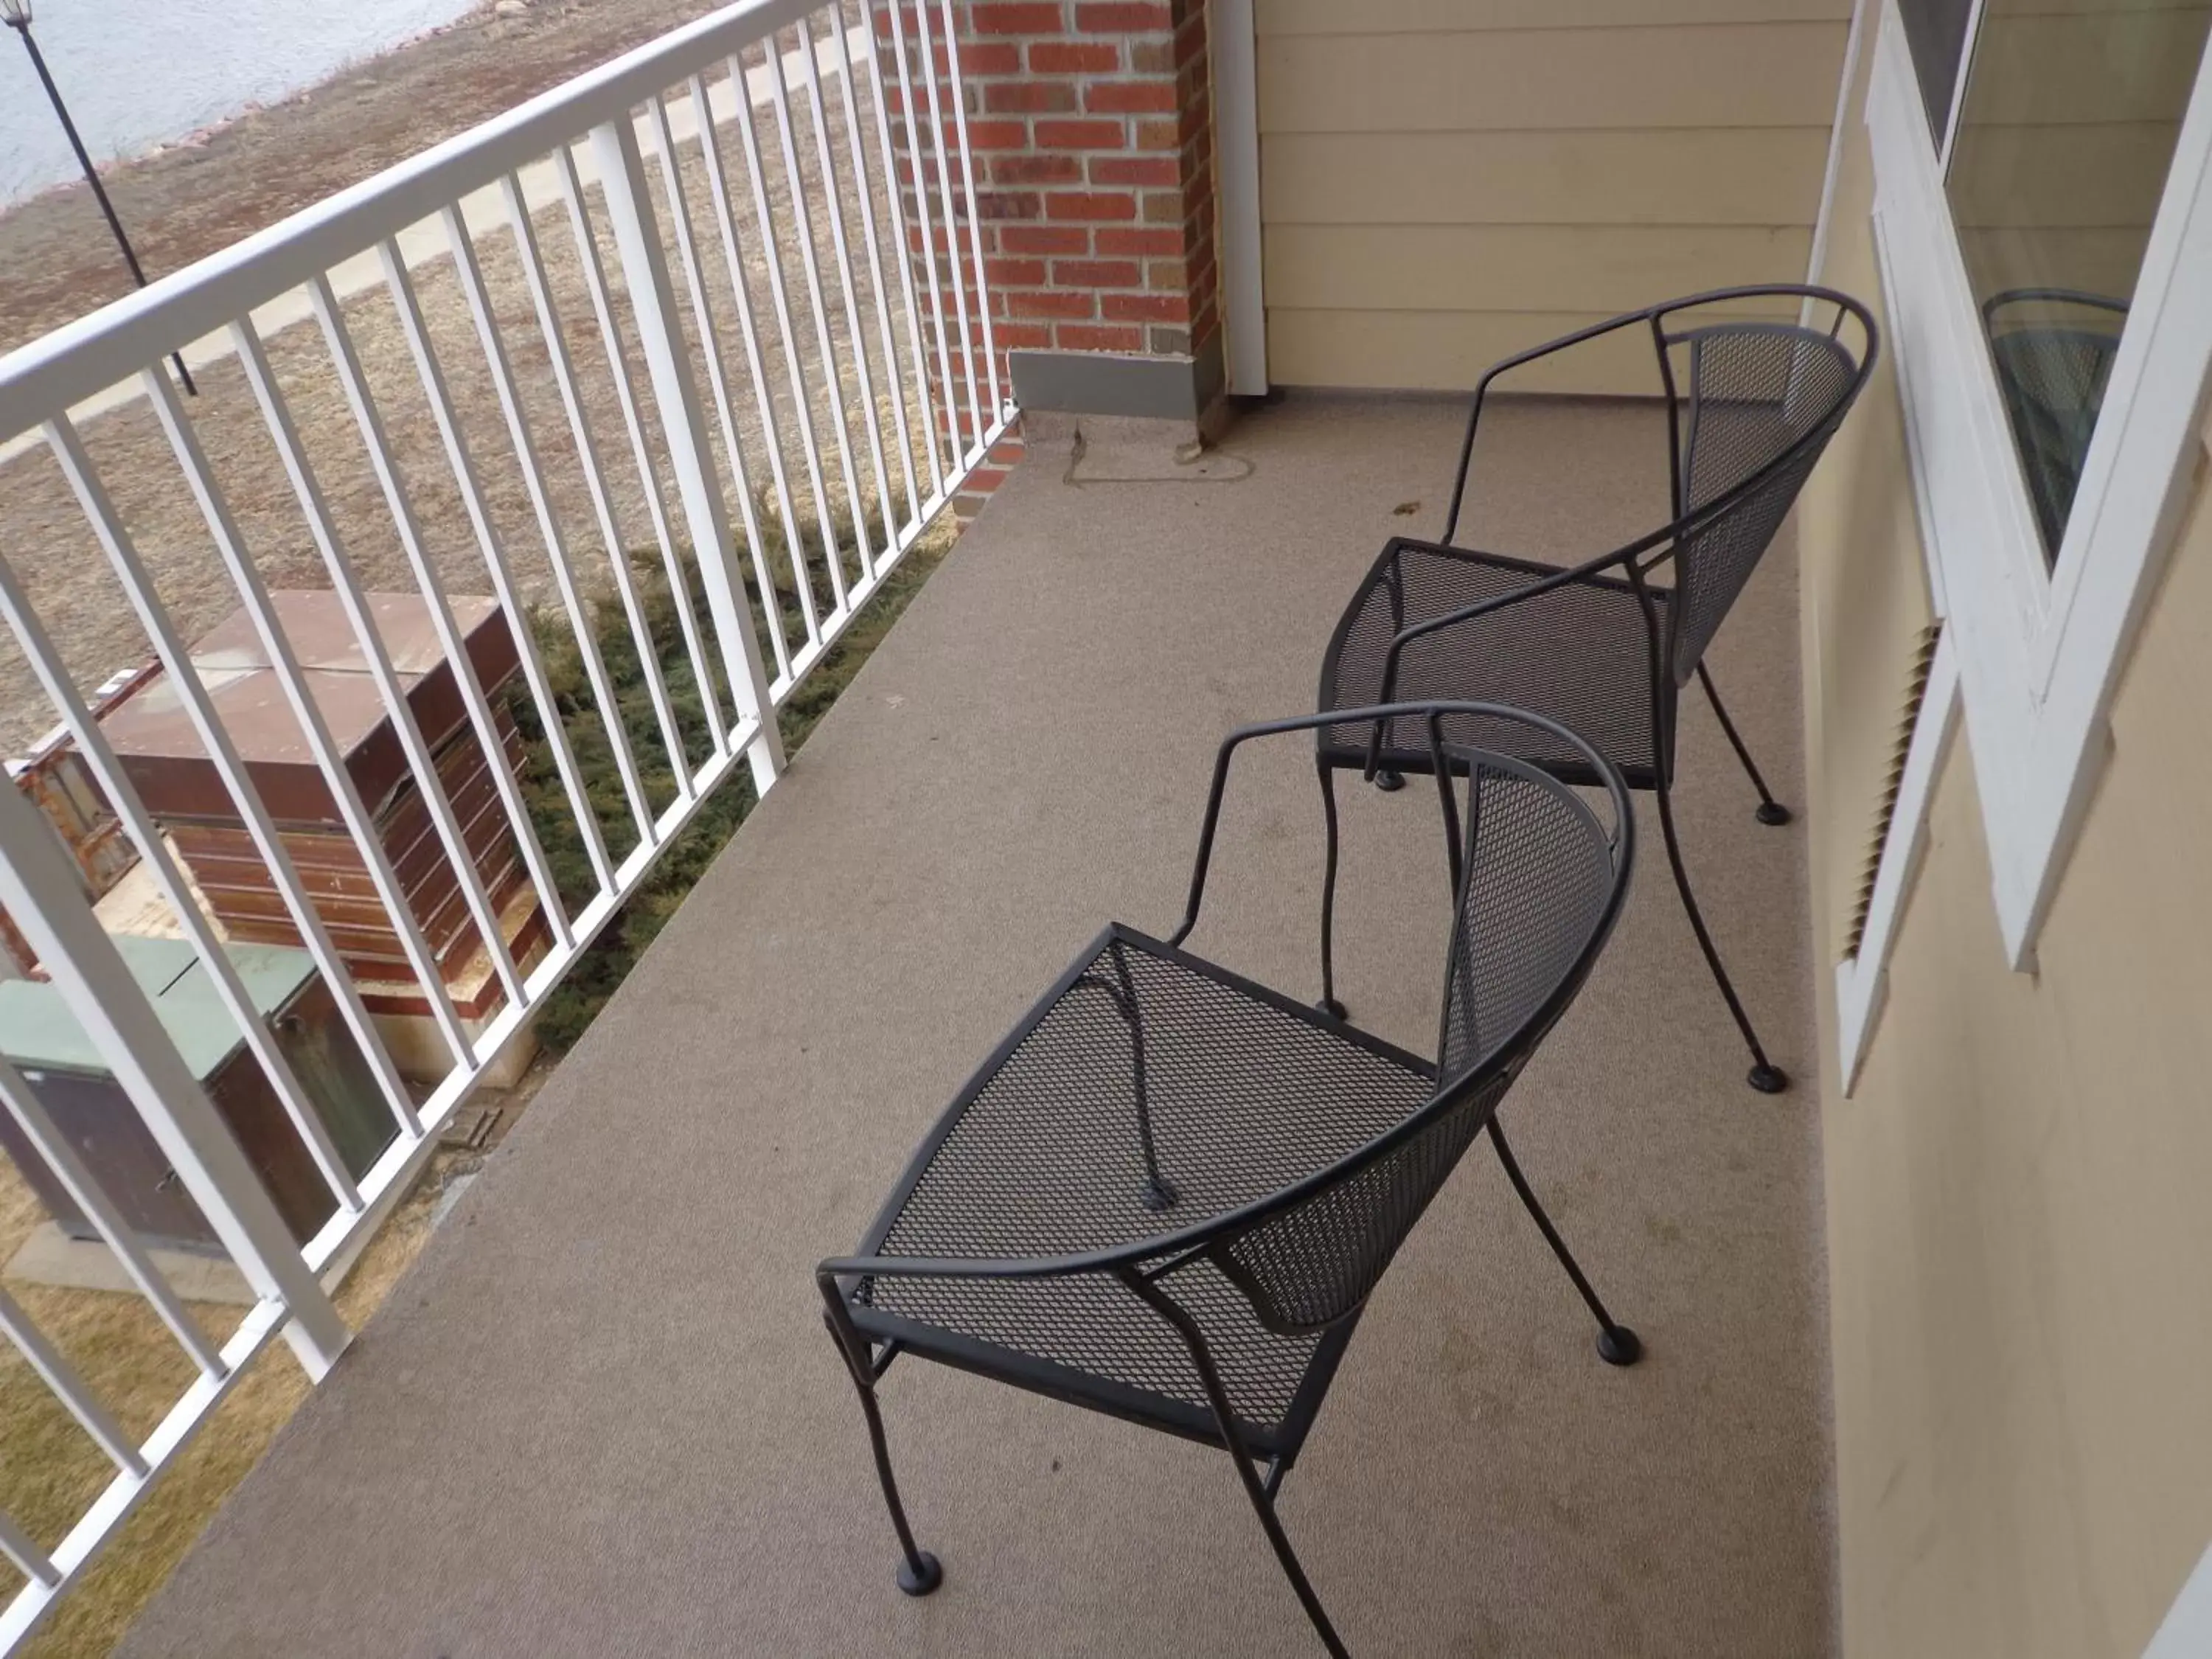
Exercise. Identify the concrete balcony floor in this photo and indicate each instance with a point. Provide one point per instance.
(602, 1417)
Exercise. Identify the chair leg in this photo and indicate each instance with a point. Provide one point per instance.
(1329, 1004)
(1765, 1076)
(919, 1572)
(1225, 1418)
(1770, 811)
(1616, 1344)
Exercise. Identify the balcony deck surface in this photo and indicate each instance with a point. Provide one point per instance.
(601, 1418)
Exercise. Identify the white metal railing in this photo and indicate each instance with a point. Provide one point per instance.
(435, 360)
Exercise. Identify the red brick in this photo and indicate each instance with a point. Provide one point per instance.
(983, 57)
(1079, 336)
(1134, 170)
(1051, 303)
(1145, 307)
(1095, 273)
(1024, 337)
(1080, 135)
(1121, 17)
(1129, 97)
(1015, 273)
(1047, 239)
(1016, 17)
(1073, 57)
(1006, 204)
(994, 135)
(1111, 240)
(1036, 170)
(1089, 205)
(1052, 97)
(1074, 60)
(1150, 56)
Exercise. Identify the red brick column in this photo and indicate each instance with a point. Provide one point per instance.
(1090, 126)
(1096, 166)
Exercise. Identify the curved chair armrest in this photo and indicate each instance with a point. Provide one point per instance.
(1654, 317)
(1506, 366)
(1434, 712)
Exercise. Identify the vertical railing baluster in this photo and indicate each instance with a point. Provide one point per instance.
(779, 293)
(649, 474)
(556, 545)
(92, 1201)
(59, 1376)
(207, 725)
(30, 1560)
(832, 374)
(917, 167)
(284, 662)
(99, 756)
(703, 318)
(684, 427)
(865, 189)
(345, 584)
(975, 425)
(595, 483)
(463, 465)
(974, 220)
(39, 889)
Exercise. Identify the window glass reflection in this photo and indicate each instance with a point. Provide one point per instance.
(1935, 30)
(2062, 151)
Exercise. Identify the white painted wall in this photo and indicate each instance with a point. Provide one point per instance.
(140, 73)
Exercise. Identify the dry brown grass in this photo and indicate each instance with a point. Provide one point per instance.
(51, 1470)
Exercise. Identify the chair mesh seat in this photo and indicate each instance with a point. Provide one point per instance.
(1246, 1093)
(1578, 654)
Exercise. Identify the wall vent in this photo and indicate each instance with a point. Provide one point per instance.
(1916, 693)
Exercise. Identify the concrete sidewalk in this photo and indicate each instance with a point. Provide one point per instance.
(601, 1416)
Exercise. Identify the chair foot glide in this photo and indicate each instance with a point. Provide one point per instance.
(1619, 1345)
(922, 1581)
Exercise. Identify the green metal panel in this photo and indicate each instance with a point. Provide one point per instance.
(38, 1031)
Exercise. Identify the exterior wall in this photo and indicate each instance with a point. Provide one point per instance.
(2017, 1228)
(1446, 181)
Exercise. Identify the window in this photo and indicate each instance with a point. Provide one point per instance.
(1936, 30)
(2061, 150)
(2043, 219)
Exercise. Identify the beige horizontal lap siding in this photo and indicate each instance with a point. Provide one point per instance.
(1445, 182)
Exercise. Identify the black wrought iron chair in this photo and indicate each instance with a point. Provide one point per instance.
(1601, 647)
(1167, 1194)
(2052, 363)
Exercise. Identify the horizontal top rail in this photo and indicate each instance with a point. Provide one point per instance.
(84, 358)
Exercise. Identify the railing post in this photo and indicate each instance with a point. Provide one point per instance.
(620, 168)
(40, 889)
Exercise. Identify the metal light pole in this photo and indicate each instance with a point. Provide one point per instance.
(16, 13)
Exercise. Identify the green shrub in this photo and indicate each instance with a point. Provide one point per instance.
(569, 1010)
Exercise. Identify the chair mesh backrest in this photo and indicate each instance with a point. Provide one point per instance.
(1540, 875)
(1752, 391)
